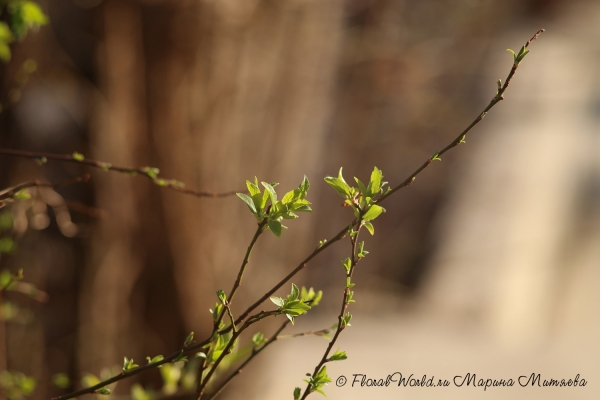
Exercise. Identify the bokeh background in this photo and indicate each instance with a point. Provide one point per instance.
(487, 264)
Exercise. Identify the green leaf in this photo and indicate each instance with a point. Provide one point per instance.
(258, 338)
(155, 359)
(180, 357)
(373, 212)
(221, 296)
(246, 199)
(277, 300)
(513, 53)
(347, 263)
(338, 356)
(275, 227)
(295, 292)
(103, 391)
(78, 156)
(189, 339)
(375, 182)
(339, 185)
(297, 393)
(271, 192)
(151, 172)
(361, 187)
(346, 320)
(252, 188)
(369, 227)
(436, 157)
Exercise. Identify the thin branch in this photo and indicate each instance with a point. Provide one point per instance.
(148, 172)
(255, 352)
(406, 182)
(11, 192)
(238, 281)
(345, 302)
(322, 332)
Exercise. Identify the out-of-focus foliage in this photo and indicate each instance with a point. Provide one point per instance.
(23, 16)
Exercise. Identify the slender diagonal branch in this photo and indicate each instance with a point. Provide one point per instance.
(150, 173)
(497, 98)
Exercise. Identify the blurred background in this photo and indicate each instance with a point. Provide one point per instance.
(487, 264)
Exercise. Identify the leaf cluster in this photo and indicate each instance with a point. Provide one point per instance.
(362, 199)
(296, 304)
(266, 207)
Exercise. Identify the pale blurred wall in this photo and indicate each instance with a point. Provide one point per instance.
(215, 92)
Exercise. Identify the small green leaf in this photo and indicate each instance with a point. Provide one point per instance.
(297, 393)
(373, 212)
(252, 188)
(338, 356)
(246, 199)
(189, 339)
(339, 184)
(369, 227)
(375, 183)
(151, 172)
(221, 296)
(347, 263)
(295, 292)
(78, 156)
(361, 187)
(271, 192)
(278, 301)
(436, 157)
(275, 227)
(155, 359)
(258, 338)
(180, 357)
(103, 391)
(105, 166)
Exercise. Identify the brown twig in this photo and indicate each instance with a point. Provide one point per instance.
(341, 325)
(321, 332)
(148, 172)
(11, 192)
